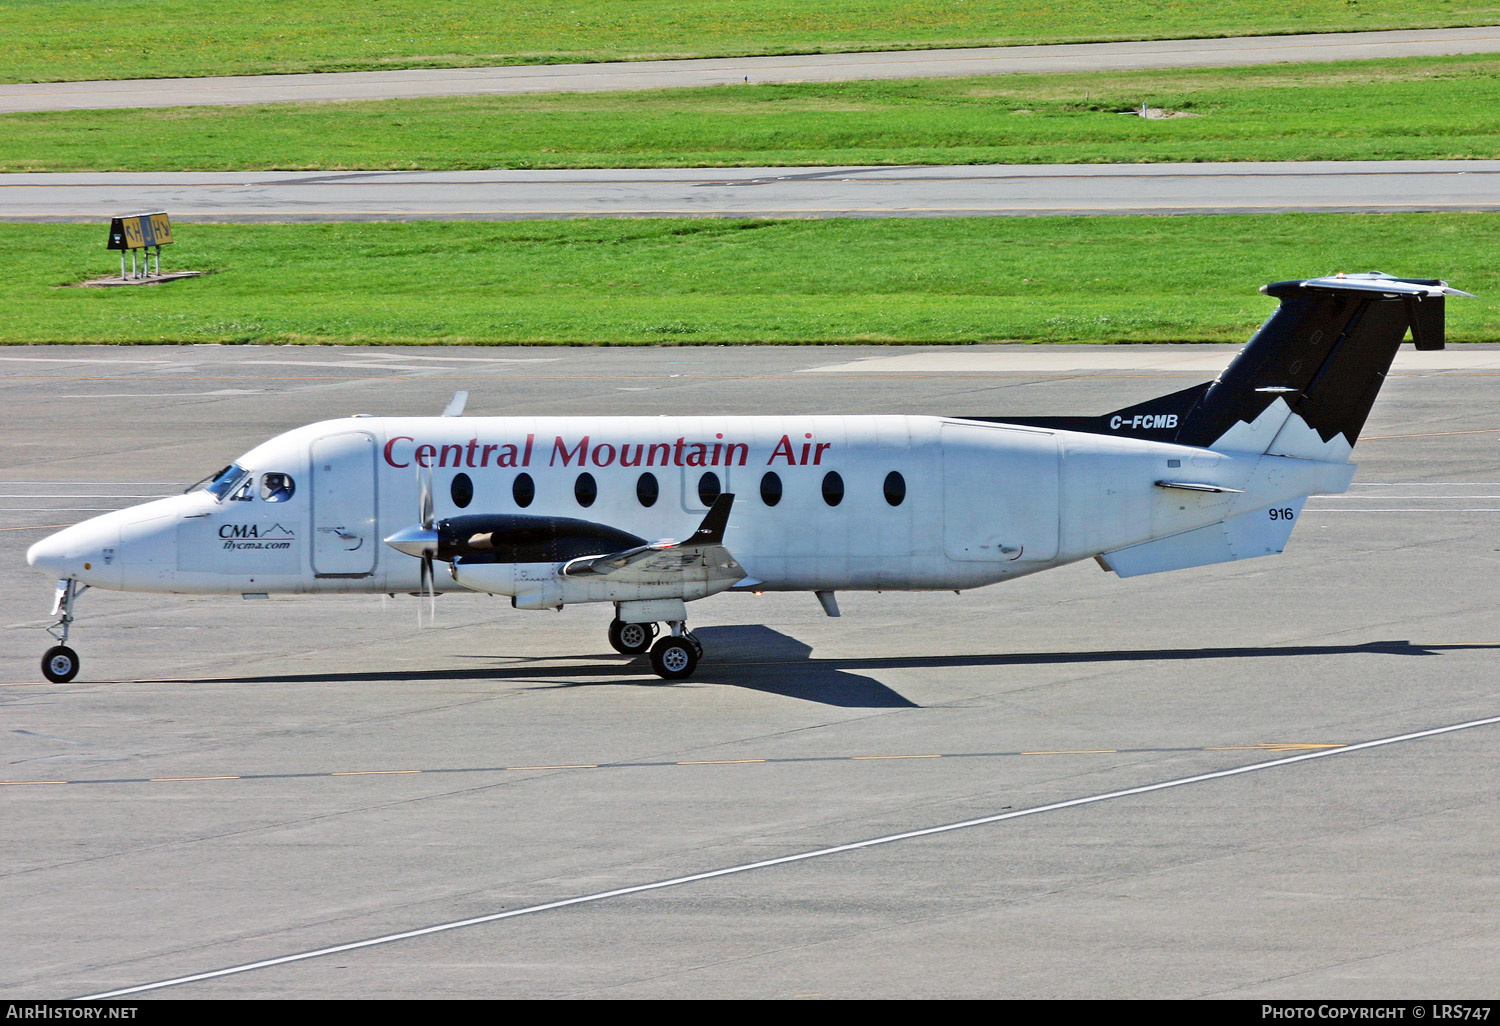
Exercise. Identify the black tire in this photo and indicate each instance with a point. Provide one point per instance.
(692, 639)
(674, 658)
(60, 664)
(631, 638)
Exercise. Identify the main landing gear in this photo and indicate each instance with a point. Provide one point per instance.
(60, 663)
(673, 656)
(631, 638)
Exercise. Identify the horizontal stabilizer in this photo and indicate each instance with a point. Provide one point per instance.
(1263, 532)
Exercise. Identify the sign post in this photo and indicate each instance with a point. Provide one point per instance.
(144, 232)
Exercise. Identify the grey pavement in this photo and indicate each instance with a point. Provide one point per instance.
(970, 190)
(237, 781)
(383, 85)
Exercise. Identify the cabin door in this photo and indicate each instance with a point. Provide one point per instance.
(343, 505)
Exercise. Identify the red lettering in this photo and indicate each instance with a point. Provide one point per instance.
(580, 452)
(424, 454)
(601, 458)
(391, 445)
(784, 450)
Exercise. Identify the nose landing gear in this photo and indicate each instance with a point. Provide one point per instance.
(60, 663)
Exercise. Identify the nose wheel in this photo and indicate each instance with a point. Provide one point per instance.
(60, 663)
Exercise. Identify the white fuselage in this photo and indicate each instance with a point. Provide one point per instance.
(973, 503)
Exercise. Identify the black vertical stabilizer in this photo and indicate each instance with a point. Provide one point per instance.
(1324, 352)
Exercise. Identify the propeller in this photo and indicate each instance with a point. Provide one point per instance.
(421, 540)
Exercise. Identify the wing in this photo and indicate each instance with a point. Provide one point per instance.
(700, 557)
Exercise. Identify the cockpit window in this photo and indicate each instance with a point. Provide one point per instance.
(276, 487)
(224, 481)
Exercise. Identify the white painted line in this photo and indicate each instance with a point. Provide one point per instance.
(161, 395)
(359, 364)
(459, 359)
(787, 859)
(75, 359)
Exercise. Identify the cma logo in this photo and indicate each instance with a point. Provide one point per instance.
(253, 531)
(1143, 420)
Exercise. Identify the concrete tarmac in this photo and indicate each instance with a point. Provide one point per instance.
(669, 74)
(964, 191)
(231, 781)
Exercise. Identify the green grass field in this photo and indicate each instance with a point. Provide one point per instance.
(1390, 109)
(724, 282)
(59, 40)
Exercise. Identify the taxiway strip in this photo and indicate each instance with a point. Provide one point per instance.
(959, 191)
(381, 85)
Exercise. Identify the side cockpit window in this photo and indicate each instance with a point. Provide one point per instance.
(276, 487)
(224, 482)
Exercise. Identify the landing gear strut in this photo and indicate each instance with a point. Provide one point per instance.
(60, 663)
(631, 638)
(676, 655)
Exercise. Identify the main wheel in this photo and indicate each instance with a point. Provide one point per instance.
(60, 664)
(674, 658)
(631, 638)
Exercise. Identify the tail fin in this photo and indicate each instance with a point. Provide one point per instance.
(1306, 380)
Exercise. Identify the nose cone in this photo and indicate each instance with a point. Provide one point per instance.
(85, 552)
(415, 541)
(50, 555)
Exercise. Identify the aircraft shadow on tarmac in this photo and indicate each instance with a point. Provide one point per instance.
(761, 659)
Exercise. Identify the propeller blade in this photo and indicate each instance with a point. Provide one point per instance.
(424, 496)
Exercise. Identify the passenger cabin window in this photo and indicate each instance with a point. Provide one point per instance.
(462, 490)
(770, 488)
(895, 488)
(585, 489)
(833, 488)
(523, 490)
(708, 488)
(646, 489)
(276, 487)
